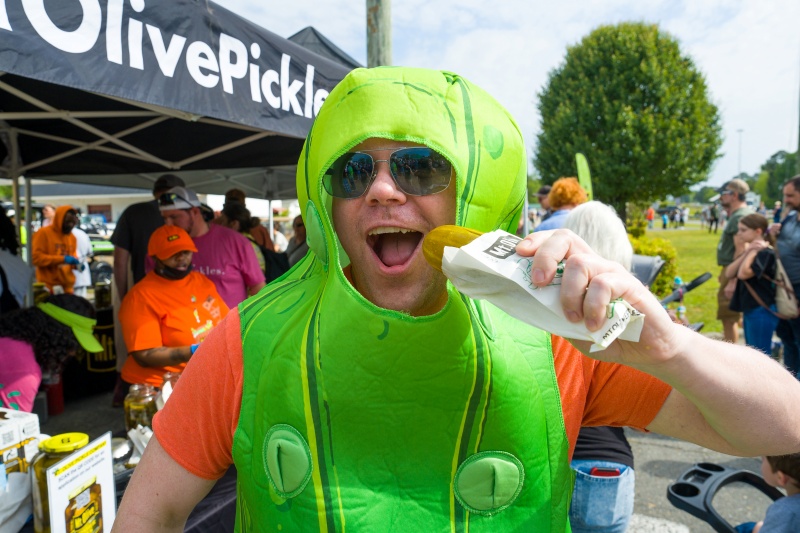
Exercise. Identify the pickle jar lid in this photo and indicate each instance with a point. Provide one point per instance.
(66, 442)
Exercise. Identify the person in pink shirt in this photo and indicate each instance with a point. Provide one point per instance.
(26, 352)
(223, 255)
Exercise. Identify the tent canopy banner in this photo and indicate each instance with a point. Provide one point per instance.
(118, 92)
(186, 55)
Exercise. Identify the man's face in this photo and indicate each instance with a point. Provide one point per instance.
(727, 197)
(382, 234)
(791, 197)
(182, 218)
(48, 212)
(299, 229)
(179, 261)
(70, 221)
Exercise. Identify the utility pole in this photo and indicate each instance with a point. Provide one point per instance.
(739, 131)
(379, 33)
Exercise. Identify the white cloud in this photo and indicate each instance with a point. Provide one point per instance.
(748, 50)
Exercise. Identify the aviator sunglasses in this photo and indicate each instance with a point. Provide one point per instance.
(417, 171)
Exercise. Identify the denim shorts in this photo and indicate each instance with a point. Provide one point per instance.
(601, 504)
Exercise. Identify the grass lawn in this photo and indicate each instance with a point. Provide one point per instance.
(697, 253)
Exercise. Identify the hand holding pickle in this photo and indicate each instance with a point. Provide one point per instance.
(589, 292)
(589, 283)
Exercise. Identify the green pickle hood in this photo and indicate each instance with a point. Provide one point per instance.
(462, 122)
(355, 417)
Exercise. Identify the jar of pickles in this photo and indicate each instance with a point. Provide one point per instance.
(102, 295)
(51, 451)
(140, 406)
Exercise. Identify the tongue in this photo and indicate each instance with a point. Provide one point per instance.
(397, 248)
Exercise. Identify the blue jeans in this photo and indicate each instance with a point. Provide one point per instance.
(601, 504)
(758, 327)
(789, 333)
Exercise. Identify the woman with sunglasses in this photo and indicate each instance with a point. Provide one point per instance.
(169, 312)
(755, 292)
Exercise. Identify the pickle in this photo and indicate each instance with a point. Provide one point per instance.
(435, 241)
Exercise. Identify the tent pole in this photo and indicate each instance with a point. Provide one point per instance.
(270, 225)
(12, 144)
(29, 219)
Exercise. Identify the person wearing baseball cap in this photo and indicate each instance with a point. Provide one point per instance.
(224, 255)
(130, 239)
(165, 316)
(733, 201)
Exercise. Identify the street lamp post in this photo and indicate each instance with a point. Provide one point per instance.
(739, 131)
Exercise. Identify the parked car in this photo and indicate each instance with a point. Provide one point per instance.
(94, 225)
(101, 246)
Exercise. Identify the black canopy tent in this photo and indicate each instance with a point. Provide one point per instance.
(119, 92)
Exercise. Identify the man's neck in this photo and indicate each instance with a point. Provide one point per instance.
(734, 207)
(200, 228)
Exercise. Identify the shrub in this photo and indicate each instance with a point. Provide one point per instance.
(636, 223)
(662, 286)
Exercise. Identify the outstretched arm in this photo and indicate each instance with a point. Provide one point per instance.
(160, 495)
(726, 397)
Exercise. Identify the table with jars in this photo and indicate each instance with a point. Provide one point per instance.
(215, 513)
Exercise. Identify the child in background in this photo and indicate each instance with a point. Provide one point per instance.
(783, 516)
(755, 293)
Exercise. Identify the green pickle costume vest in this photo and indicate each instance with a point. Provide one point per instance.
(359, 418)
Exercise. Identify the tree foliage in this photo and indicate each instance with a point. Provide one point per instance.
(637, 108)
(704, 194)
(779, 168)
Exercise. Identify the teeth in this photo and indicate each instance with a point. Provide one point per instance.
(383, 229)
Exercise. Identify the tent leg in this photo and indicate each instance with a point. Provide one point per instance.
(270, 226)
(29, 230)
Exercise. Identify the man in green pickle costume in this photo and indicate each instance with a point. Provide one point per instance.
(376, 397)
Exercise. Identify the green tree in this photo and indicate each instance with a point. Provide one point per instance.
(780, 167)
(638, 109)
(704, 194)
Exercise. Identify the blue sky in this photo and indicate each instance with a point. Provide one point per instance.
(749, 51)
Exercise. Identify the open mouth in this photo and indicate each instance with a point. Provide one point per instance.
(394, 246)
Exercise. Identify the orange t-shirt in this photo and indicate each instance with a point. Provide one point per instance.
(160, 312)
(592, 394)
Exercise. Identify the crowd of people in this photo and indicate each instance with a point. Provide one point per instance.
(440, 410)
(177, 273)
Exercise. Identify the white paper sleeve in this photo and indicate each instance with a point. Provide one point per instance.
(489, 269)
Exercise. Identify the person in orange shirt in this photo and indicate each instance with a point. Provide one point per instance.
(169, 312)
(54, 250)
